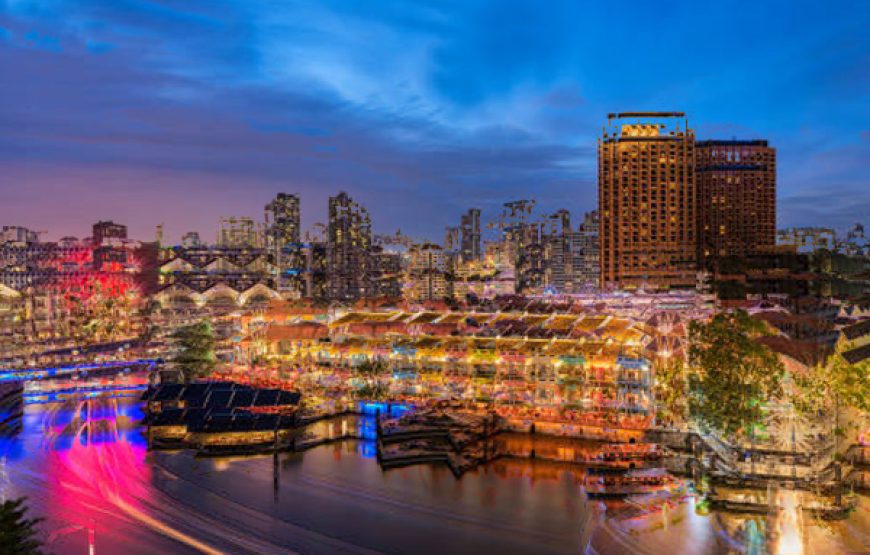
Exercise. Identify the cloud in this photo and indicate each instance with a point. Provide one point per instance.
(200, 109)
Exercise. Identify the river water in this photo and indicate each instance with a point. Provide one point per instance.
(85, 469)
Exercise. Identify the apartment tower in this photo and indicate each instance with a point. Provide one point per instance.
(349, 244)
(736, 198)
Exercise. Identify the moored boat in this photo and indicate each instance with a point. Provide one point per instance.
(633, 482)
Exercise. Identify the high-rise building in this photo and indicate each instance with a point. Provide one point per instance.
(239, 233)
(385, 272)
(585, 253)
(427, 273)
(548, 258)
(557, 252)
(349, 242)
(283, 236)
(736, 198)
(282, 220)
(451, 239)
(647, 201)
(469, 229)
(514, 225)
(104, 231)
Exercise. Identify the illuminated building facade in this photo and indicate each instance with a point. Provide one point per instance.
(349, 243)
(108, 232)
(18, 234)
(426, 277)
(284, 239)
(216, 275)
(736, 198)
(385, 273)
(240, 233)
(559, 265)
(65, 284)
(590, 368)
(585, 252)
(647, 201)
(282, 219)
(544, 262)
(514, 225)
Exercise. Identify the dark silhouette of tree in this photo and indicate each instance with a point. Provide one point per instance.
(17, 532)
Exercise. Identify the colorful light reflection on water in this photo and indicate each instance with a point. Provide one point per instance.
(86, 468)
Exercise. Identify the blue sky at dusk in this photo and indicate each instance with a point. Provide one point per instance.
(182, 112)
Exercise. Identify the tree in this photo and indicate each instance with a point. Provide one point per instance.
(731, 375)
(370, 371)
(832, 387)
(670, 388)
(834, 381)
(195, 357)
(17, 532)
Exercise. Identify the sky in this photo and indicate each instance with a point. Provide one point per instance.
(150, 112)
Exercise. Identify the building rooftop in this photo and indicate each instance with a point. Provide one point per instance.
(732, 142)
(620, 115)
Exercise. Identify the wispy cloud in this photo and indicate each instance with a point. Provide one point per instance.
(197, 109)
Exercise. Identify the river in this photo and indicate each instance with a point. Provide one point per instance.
(84, 468)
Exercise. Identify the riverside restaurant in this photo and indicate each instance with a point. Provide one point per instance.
(564, 369)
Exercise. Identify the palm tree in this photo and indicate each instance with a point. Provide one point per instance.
(17, 532)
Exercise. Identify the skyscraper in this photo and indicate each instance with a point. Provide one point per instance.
(647, 201)
(426, 278)
(282, 219)
(349, 242)
(585, 252)
(283, 236)
(736, 197)
(469, 228)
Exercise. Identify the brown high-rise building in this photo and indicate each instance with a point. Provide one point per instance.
(736, 198)
(647, 201)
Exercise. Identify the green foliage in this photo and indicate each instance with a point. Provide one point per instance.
(373, 388)
(836, 382)
(671, 388)
(18, 534)
(195, 357)
(731, 375)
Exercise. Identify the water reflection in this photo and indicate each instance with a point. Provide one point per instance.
(85, 467)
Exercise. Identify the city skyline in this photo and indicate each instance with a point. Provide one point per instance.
(184, 115)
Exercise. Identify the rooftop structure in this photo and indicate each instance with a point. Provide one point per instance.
(107, 231)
